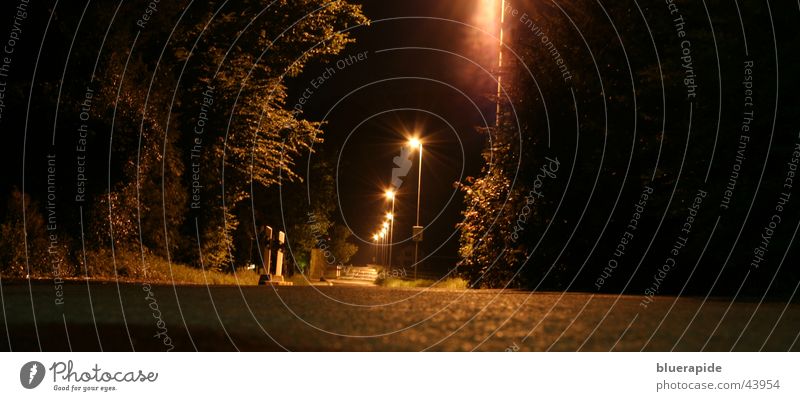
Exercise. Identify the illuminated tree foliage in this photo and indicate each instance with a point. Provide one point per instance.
(245, 52)
(147, 198)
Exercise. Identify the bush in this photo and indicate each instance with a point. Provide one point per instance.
(450, 283)
(16, 231)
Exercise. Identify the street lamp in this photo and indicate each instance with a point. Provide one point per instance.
(416, 143)
(391, 195)
(383, 247)
(489, 17)
(500, 62)
(376, 238)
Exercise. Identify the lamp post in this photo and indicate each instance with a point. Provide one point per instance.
(391, 195)
(488, 14)
(416, 143)
(384, 239)
(500, 62)
(376, 238)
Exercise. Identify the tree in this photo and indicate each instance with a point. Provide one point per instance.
(118, 100)
(618, 123)
(252, 137)
(149, 87)
(23, 239)
(342, 249)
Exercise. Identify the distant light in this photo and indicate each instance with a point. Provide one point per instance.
(385, 225)
(376, 237)
(415, 143)
(389, 216)
(390, 194)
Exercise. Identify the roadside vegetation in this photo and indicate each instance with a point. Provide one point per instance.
(132, 266)
(455, 283)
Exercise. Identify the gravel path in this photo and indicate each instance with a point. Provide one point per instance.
(123, 317)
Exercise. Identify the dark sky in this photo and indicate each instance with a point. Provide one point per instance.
(435, 89)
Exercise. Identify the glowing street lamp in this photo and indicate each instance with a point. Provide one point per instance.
(391, 195)
(493, 20)
(376, 239)
(416, 143)
(500, 61)
(383, 246)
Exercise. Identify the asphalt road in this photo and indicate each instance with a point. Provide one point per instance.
(124, 317)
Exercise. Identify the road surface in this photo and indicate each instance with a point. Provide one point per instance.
(124, 317)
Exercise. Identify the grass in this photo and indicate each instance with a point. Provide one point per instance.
(130, 266)
(450, 283)
(190, 275)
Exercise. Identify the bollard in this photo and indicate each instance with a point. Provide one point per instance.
(279, 245)
(266, 253)
(273, 244)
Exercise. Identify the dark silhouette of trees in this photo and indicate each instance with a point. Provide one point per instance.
(606, 89)
(177, 121)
